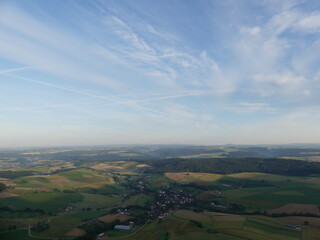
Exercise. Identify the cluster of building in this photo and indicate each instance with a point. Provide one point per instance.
(69, 208)
(167, 200)
(126, 211)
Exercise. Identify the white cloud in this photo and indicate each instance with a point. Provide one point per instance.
(254, 107)
(308, 24)
(284, 83)
(251, 30)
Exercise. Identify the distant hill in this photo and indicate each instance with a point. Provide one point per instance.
(230, 165)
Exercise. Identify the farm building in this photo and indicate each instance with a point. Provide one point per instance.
(102, 236)
(122, 228)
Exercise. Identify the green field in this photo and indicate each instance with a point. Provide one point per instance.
(139, 200)
(98, 201)
(49, 202)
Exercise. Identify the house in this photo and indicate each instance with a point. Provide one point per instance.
(122, 228)
(296, 227)
(102, 236)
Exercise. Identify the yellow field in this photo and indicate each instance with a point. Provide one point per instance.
(142, 165)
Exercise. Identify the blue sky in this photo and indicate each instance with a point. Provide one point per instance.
(159, 72)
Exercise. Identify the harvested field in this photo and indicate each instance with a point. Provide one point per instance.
(35, 182)
(7, 195)
(193, 177)
(296, 208)
(59, 179)
(119, 166)
(175, 176)
(103, 166)
(76, 232)
(112, 217)
(143, 165)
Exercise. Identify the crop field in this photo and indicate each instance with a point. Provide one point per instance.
(189, 177)
(125, 167)
(73, 179)
(225, 226)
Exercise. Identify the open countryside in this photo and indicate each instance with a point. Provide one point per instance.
(81, 199)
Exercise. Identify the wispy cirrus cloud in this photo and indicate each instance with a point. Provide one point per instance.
(213, 69)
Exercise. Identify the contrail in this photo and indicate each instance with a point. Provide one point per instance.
(3, 71)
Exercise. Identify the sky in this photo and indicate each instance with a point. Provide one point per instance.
(205, 72)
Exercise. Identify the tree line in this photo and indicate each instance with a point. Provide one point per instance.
(233, 165)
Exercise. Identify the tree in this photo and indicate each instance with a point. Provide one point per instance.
(2, 187)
